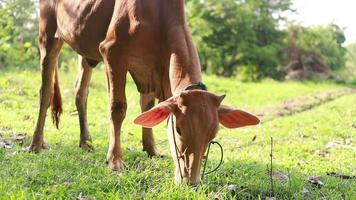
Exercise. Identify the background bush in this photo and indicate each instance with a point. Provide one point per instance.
(233, 37)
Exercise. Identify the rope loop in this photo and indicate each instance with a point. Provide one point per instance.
(207, 156)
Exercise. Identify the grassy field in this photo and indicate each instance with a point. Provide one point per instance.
(311, 143)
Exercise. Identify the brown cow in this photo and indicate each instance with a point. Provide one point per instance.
(150, 40)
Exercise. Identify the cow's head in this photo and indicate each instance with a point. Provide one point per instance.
(195, 117)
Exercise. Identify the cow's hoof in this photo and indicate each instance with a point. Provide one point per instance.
(116, 166)
(155, 155)
(35, 148)
(152, 152)
(86, 146)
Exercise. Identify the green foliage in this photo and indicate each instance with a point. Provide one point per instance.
(351, 54)
(68, 58)
(325, 41)
(18, 33)
(229, 35)
(349, 73)
(233, 33)
(247, 73)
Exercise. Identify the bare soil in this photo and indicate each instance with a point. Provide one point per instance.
(302, 104)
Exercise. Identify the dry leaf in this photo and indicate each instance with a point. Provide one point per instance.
(348, 141)
(321, 153)
(6, 145)
(315, 181)
(332, 145)
(232, 187)
(81, 197)
(20, 137)
(27, 117)
(2, 144)
(86, 198)
(270, 198)
(303, 162)
(303, 136)
(340, 175)
(74, 113)
(305, 191)
(277, 175)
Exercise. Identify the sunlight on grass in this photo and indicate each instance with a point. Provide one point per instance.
(66, 171)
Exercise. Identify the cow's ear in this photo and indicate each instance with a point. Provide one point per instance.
(233, 118)
(156, 115)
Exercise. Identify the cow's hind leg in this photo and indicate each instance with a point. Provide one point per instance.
(82, 91)
(49, 49)
(147, 101)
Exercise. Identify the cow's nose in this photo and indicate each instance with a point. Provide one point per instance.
(193, 182)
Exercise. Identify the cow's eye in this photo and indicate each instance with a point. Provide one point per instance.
(178, 130)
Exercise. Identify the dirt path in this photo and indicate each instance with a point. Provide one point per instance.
(302, 104)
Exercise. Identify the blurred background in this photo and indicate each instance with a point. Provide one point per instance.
(247, 39)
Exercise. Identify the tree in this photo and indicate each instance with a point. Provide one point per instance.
(351, 54)
(232, 33)
(351, 61)
(324, 41)
(18, 33)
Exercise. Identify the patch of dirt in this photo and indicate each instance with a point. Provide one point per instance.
(340, 145)
(7, 140)
(302, 104)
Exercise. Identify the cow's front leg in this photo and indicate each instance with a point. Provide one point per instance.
(81, 97)
(147, 101)
(117, 107)
(116, 70)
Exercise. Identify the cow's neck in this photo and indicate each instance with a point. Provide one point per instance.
(184, 61)
(182, 75)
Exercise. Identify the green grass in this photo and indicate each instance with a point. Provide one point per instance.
(66, 171)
